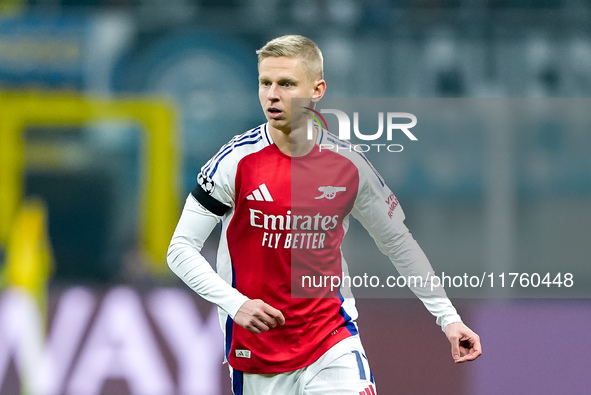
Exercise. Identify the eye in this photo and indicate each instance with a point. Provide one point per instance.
(265, 83)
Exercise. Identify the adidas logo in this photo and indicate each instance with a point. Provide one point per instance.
(261, 194)
(242, 353)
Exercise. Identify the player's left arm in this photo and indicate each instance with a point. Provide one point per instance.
(380, 213)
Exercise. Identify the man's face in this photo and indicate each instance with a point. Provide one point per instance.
(280, 80)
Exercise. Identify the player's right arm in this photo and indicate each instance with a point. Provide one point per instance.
(186, 261)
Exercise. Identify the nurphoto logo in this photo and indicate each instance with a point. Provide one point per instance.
(391, 119)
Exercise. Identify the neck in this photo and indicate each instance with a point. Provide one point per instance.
(293, 142)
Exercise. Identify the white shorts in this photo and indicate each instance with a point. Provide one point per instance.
(342, 370)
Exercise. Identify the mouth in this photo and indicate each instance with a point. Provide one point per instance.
(274, 112)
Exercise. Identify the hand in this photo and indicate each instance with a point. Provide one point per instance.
(257, 316)
(465, 344)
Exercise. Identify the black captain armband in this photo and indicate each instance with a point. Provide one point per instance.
(210, 203)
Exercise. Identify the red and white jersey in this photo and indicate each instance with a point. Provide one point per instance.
(283, 218)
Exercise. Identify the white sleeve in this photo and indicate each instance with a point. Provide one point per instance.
(378, 210)
(185, 259)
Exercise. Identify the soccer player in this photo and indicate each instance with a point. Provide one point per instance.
(284, 203)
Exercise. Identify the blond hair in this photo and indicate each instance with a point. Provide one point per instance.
(295, 46)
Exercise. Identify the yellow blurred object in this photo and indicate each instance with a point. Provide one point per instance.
(29, 259)
(11, 7)
(159, 185)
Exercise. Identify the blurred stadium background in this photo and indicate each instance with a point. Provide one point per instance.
(109, 108)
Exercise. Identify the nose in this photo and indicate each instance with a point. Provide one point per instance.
(273, 93)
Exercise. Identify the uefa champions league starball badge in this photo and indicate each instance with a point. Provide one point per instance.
(206, 183)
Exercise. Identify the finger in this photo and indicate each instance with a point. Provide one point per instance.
(455, 348)
(275, 314)
(469, 357)
(471, 351)
(260, 325)
(252, 329)
(266, 319)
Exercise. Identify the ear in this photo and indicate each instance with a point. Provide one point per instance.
(319, 90)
